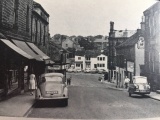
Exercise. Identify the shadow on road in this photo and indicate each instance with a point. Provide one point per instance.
(49, 104)
(139, 96)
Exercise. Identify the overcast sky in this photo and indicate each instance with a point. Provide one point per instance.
(92, 17)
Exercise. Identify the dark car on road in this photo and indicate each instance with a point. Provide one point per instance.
(139, 85)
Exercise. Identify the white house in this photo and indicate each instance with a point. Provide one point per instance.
(102, 61)
(80, 62)
(99, 62)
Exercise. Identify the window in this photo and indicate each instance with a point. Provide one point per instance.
(100, 58)
(77, 65)
(15, 13)
(88, 58)
(98, 65)
(27, 19)
(103, 65)
(79, 58)
(103, 58)
(44, 37)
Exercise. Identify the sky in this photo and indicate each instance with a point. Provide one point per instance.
(92, 17)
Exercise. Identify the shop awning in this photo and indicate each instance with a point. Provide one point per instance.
(16, 49)
(22, 45)
(34, 47)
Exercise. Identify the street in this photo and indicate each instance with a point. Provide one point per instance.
(91, 99)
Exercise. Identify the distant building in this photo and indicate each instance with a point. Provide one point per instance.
(152, 45)
(91, 59)
(101, 44)
(116, 37)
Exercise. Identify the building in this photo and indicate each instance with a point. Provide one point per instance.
(91, 59)
(152, 45)
(19, 55)
(101, 44)
(116, 37)
(40, 27)
(130, 57)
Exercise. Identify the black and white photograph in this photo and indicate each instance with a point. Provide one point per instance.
(79, 59)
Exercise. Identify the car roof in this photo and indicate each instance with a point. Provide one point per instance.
(139, 77)
(52, 74)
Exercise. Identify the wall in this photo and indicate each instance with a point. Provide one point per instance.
(93, 61)
(139, 59)
(103, 62)
(19, 29)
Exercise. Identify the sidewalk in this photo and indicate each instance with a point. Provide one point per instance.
(16, 106)
(152, 95)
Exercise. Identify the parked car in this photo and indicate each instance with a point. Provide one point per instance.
(77, 70)
(101, 71)
(70, 70)
(52, 86)
(87, 70)
(139, 85)
(94, 70)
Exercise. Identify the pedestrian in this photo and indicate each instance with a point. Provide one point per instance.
(102, 78)
(69, 80)
(126, 82)
(32, 83)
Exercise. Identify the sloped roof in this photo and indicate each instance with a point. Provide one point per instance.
(131, 40)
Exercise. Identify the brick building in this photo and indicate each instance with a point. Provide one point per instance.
(40, 27)
(19, 56)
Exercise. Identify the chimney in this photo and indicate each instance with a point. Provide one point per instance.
(143, 24)
(111, 26)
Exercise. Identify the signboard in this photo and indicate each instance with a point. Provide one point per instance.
(130, 66)
(141, 43)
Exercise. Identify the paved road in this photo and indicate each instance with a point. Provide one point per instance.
(90, 99)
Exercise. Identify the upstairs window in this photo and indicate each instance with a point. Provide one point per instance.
(103, 58)
(15, 14)
(27, 19)
(79, 58)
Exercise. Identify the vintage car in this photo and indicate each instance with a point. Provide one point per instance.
(87, 70)
(101, 71)
(94, 70)
(139, 85)
(52, 86)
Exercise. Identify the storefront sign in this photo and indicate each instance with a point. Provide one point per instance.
(130, 66)
(141, 43)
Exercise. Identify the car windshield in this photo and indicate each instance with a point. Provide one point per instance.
(54, 79)
(140, 80)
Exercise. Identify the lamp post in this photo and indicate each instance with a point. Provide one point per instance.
(61, 52)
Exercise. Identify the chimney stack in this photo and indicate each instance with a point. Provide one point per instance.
(111, 26)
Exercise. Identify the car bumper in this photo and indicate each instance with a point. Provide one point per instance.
(51, 98)
(142, 92)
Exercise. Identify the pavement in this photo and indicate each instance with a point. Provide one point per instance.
(20, 105)
(17, 106)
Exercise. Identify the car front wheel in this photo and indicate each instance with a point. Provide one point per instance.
(66, 102)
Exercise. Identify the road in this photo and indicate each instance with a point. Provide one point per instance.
(91, 99)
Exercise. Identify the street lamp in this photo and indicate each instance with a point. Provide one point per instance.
(61, 52)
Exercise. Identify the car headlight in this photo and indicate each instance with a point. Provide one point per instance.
(148, 87)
